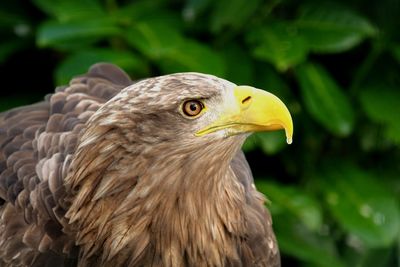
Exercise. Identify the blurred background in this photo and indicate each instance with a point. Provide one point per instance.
(335, 192)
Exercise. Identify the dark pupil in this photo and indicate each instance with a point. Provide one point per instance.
(193, 106)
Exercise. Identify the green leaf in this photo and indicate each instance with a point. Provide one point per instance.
(290, 200)
(251, 143)
(268, 79)
(396, 52)
(173, 52)
(272, 142)
(67, 10)
(193, 56)
(269, 142)
(364, 207)
(393, 132)
(232, 13)
(154, 39)
(381, 103)
(147, 11)
(80, 62)
(298, 241)
(73, 33)
(376, 257)
(9, 47)
(325, 100)
(193, 8)
(10, 20)
(239, 65)
(278, 43)
(330, 28)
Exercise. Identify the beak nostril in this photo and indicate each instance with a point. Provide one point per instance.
(247, 99)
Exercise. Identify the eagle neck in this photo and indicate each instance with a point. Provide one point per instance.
(195, 207)
(197, 212)
(183, 209)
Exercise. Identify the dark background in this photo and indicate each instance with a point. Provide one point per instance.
(335, 192)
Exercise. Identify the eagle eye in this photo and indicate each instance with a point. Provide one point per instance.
(192, 108)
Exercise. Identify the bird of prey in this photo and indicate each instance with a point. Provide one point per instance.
(111, 172)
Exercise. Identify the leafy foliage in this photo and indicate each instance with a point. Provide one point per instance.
(335, 192)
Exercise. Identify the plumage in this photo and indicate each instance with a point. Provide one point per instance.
(110, 172)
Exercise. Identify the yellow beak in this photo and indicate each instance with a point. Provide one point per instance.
(252, 110)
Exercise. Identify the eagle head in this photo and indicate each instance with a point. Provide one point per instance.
(156, 161)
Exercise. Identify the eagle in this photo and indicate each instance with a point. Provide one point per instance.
(107, 171)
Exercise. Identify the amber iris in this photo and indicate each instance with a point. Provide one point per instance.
(192, 108)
